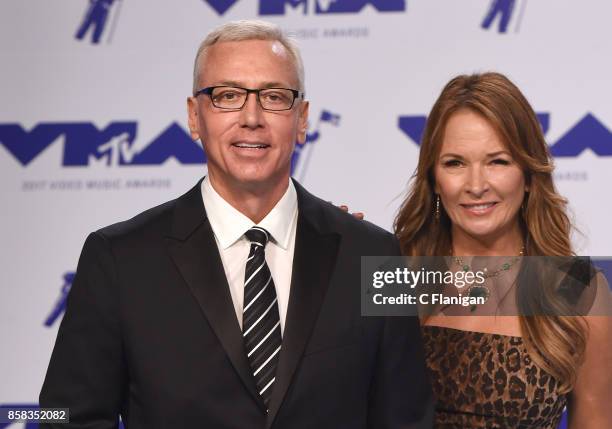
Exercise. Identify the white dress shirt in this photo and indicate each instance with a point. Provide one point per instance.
(229, 226)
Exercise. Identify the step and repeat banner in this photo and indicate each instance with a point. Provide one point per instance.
(93, 125)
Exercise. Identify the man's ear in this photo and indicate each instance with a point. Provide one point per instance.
(302, 122)
(192, 117)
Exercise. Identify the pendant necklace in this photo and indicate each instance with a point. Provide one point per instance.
(477, 291)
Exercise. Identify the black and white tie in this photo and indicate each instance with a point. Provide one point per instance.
(260, 319)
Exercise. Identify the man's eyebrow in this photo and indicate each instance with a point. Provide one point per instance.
(263, 85)
(275, 85)
(228, 83)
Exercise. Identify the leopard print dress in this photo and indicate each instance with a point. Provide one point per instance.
(488, 381)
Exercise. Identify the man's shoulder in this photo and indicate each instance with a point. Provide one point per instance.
(153, 218)
(344, 223)
(152, 223)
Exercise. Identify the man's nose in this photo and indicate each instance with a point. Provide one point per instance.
(251, 115)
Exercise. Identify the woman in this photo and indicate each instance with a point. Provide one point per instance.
(483, 186)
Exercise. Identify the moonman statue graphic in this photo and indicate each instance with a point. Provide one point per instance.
(96, 17)
(504, 9)
(312, 137)
(60, 305)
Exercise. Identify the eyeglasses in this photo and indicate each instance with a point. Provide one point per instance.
(234, 97)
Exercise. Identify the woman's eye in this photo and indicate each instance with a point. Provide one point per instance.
(500, 161)
(452, 163)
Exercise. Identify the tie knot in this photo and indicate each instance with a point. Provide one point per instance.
(257, 235)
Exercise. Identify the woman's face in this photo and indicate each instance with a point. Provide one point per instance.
(481, 186)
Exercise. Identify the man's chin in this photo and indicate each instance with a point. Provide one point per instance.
(259, 181)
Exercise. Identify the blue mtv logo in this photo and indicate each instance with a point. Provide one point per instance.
(503, 11)
(85, 144)
(96, 19)
(587, 133)
(318, 7)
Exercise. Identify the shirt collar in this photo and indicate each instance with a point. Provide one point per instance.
(229, 224)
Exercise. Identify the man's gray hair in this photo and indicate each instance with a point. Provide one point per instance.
(237, 31)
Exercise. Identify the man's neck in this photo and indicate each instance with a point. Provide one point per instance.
(253, 201)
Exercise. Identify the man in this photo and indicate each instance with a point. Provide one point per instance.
(238, 304)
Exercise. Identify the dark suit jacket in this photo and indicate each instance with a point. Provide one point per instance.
(150, 332)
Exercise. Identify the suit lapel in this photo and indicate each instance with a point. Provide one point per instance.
(192, 246)
(313, 263)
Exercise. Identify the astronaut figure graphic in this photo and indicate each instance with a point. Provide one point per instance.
(311, 137)
(503, 9)
(60, 305)
(96, 17)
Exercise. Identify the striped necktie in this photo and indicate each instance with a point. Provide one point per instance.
(260, 319)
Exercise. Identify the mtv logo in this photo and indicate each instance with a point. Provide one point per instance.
(278, 7)
(221, 6)
(588, 133)
(85, 144)
(113, 146)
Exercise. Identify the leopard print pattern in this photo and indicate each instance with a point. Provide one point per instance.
(488, 381)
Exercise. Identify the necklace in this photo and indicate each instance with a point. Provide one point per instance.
(477, 291)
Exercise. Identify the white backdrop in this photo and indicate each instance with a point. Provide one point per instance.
(83, 123)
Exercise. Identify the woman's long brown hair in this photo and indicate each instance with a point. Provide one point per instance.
(557, 343)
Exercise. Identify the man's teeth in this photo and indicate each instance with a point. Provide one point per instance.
(251, 146)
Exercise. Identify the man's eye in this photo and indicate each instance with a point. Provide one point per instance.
(228, 95)
(274, 97)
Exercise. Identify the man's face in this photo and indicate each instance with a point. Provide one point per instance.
(229, 136)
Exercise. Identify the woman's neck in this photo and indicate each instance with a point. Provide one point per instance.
(508, 244)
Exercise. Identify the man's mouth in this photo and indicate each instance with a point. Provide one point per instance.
(243, 145)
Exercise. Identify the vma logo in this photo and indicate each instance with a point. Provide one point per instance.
(587, 133)
(84, 144)
(316, 7)
(503, 11)
(96, 18)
